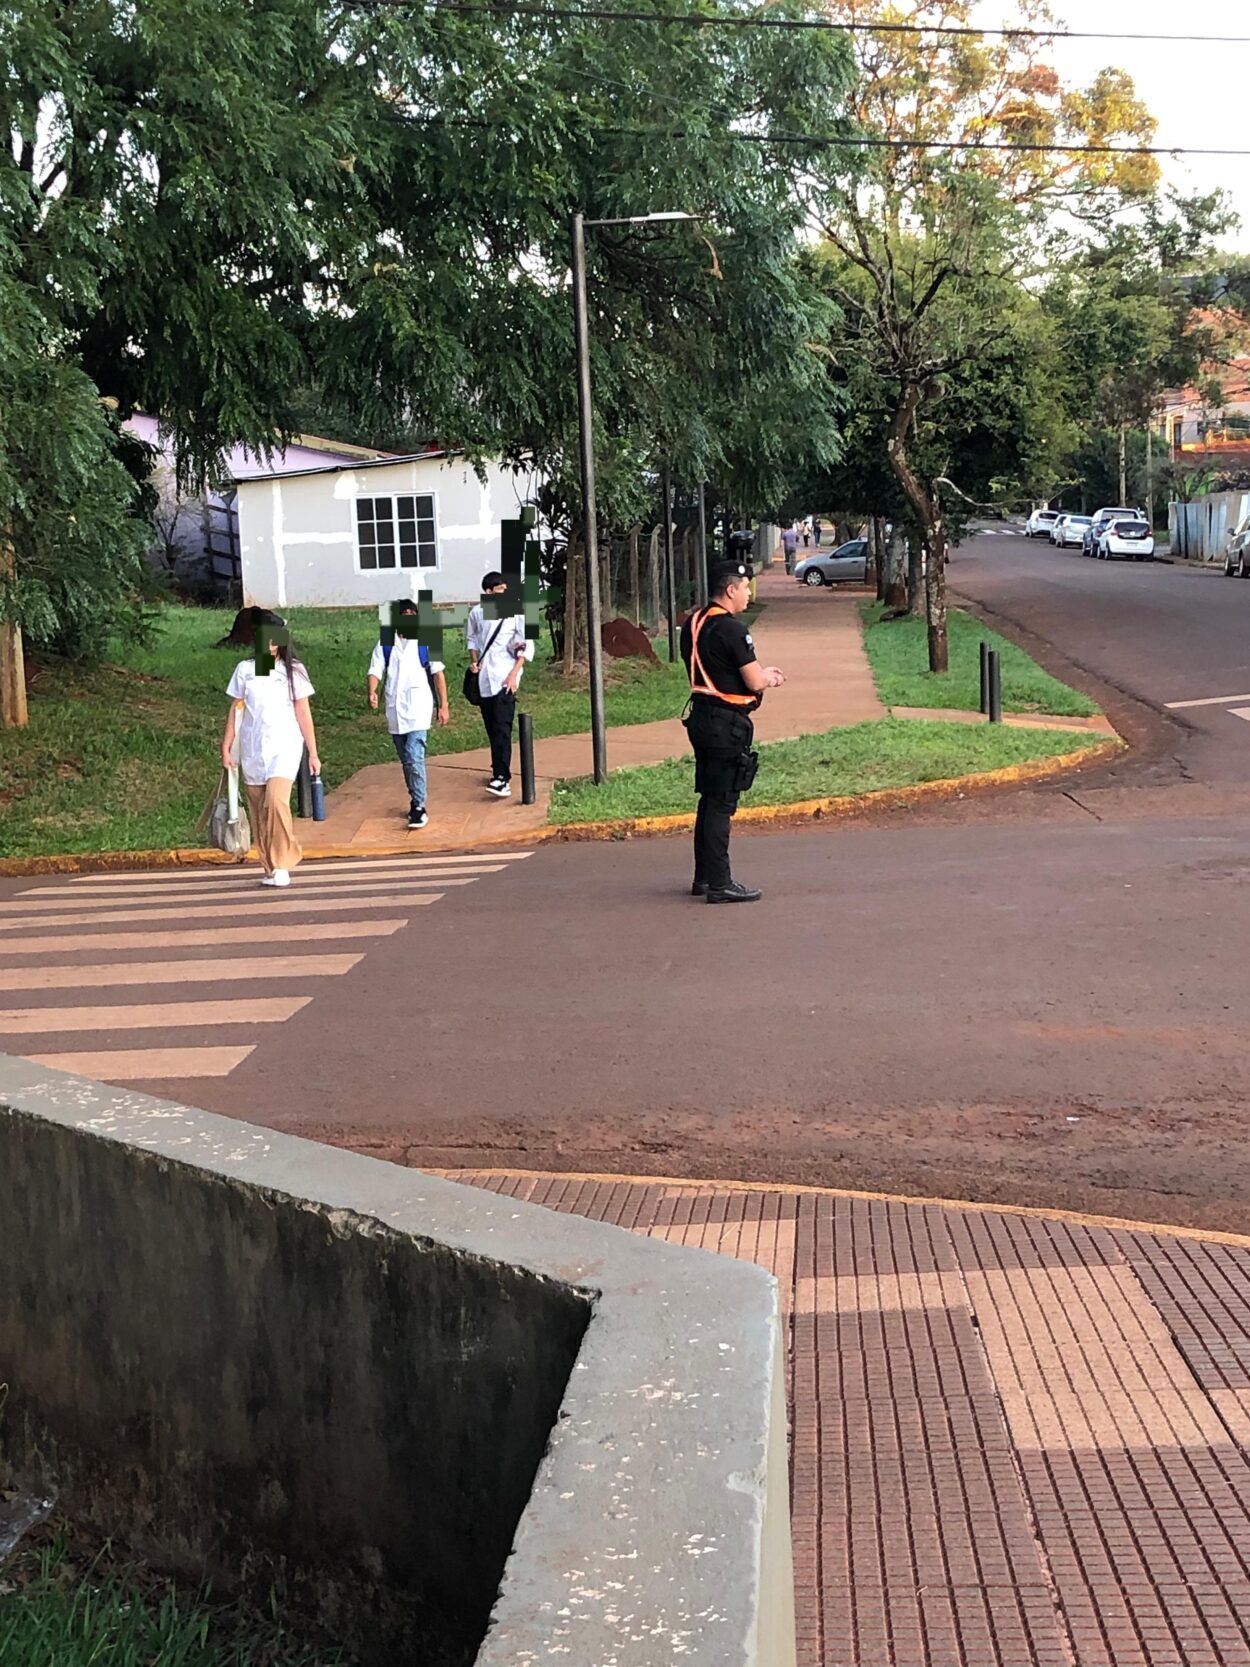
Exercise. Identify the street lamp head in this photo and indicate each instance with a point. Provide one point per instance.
(642, 219)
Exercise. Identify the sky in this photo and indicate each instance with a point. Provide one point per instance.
(1198, 94)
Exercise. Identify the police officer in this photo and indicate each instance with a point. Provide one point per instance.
(727, 683)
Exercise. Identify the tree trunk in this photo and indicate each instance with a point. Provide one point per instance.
(1123, 470)
(635, 594)
(606, 609)
(13, 711)
(653, 578)
(574, 605)
(1150, 471)
(915, 575)
(895, 597)
(928, 507)
(878, 554)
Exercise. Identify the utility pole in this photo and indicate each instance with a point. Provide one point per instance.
(1123, 469)
(13, 712)
(1150, 469)
(585, 413)
(700, 575)
(670, 589)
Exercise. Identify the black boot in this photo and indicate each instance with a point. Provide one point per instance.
(734, 892)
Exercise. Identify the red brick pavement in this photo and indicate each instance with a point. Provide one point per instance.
(1016, 1441)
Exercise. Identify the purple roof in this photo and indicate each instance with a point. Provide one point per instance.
(242, 464)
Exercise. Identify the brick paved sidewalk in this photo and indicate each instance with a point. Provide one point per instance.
(1017, 1441)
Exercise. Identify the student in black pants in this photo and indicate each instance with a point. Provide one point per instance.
(498, 650)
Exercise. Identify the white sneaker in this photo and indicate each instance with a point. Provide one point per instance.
(279, 877)
(501, 789)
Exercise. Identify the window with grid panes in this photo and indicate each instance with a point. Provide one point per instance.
(396, 531)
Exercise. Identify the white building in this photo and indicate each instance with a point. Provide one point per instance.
(356, 534)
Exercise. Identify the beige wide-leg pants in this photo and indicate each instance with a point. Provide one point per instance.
(269, 809)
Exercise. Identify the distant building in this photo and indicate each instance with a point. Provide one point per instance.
(196, 536)
(344, 534)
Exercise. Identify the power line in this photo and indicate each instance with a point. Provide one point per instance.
(852, 140)
(697, 20)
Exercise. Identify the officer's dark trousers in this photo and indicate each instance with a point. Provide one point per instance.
(498, 712)
(720, 735)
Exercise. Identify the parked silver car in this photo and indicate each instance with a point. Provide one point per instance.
(1089, 544)
(1070, 529)
(829, 567)
(1237, 555)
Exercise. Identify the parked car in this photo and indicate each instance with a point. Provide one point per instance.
(1237, 555)
(1040, 522)
(1070, 529)
(828, 567)
(1089, 544)
(1126, 538)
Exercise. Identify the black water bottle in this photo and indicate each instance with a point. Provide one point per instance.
(318, 799)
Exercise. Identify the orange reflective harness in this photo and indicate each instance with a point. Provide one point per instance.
(700, 683)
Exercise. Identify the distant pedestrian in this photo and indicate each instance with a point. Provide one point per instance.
(498, 650)
(807, 531)
(790, 545)
(817, 529)
(273, 719)
(416, 692)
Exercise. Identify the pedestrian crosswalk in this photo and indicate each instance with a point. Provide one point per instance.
(65, 947)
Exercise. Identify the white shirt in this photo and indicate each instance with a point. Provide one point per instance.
(270, 743)
(409, 692)
(494, 668)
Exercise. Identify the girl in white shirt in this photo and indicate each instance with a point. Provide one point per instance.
(274, 723)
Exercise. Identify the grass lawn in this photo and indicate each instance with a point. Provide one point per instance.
(124, 757)
(54, 1613)
(888, 752)
(898, 650)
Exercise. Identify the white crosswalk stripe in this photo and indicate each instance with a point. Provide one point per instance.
(147, 933)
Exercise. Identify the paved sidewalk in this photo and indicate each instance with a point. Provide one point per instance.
(814, 637)
(1017, 1441)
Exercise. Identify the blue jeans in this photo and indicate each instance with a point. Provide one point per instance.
(411, 750)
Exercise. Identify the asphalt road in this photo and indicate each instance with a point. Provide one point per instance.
(1039, 998)
(1160, 633)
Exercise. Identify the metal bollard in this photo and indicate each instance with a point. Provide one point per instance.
(303, 787)
(995, 688)
(528, 791)
(985, 677)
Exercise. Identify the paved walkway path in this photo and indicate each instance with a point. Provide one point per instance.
(814, 637)
(1017, 1441)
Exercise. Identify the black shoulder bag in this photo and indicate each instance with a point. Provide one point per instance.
(472, 692)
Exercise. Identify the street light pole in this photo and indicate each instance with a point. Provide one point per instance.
(590, 534)
(670, 589)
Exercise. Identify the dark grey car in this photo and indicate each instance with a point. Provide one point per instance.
(827, 567)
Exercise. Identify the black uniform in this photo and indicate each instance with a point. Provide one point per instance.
(721, 734)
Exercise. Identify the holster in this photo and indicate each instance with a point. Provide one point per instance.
(748, 769)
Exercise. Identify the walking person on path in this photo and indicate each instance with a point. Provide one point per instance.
(498, 650)
(273, 720)
(416, 691)
(789, 545)
(817, 529)
(727, 684)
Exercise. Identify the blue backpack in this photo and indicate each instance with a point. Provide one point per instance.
(422, 651)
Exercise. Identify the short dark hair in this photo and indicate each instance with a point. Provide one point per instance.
(406, 605)
(722, 574)
(492, 579)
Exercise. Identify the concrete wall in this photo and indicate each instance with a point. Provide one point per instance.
(235, 1349)
(297, 533)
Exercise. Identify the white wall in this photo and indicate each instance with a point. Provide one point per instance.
(297, 533)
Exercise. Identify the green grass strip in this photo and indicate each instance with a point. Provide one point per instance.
(123, 758)
(899, 654)
(888, 752)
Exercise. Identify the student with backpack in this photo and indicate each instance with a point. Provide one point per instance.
(416, 692)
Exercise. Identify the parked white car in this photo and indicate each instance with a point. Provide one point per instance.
(1040, 522)
(1133, 539)
(1070, 529)
(1237, 555)
(1125, 512)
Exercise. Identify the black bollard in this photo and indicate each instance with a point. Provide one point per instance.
(528, 791)
(303, 787)
(985, 677)
(996, 689)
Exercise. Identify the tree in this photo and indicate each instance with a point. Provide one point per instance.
(936, 237)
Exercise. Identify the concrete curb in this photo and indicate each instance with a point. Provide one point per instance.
(848, 805)
(637, 827)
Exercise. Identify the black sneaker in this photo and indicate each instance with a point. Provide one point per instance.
(501, 789)
(734, 892)
(699, 889)
(417, 818)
